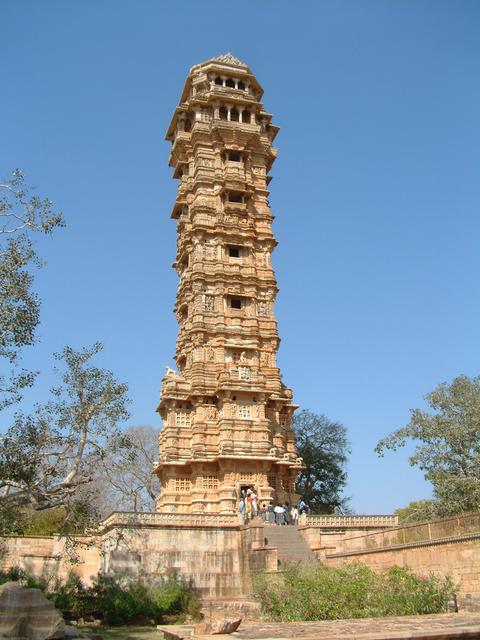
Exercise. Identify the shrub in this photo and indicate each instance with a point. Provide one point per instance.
(174, 597)
(350, 591)
(116, 599)
(121, 600)
(16, 574)
(72, 598)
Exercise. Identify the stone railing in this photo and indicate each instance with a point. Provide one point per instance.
(348, 522)
(131, 519)
(462, 525)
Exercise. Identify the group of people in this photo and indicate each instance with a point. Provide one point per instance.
(278, 514)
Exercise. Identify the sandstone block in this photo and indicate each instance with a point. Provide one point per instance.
(26, 613)
(218, 627)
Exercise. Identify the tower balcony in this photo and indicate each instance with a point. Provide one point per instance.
(233, 269)
(203, 206)
(234, 172)
(200, 127)
(229, 269)
(230, 93)
(235, 219)
(234, 132)
(203, 218)
(242, 378)
(175, 386)
(180, 206)
(182, 138)
(235, 208)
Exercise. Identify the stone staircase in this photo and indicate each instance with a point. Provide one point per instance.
(291, 546)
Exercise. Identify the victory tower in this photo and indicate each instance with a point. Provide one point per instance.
(226, 413)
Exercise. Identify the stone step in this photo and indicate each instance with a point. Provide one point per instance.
(290, 545)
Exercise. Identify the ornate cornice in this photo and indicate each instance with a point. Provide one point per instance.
(229, 58)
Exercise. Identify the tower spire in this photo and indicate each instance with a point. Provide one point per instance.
(226, 413)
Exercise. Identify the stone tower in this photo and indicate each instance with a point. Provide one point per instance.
(226, 413)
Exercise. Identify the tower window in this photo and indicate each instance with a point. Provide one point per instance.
(218, 81)
(235, 303)
(182, 419)
(230, 83)
(234, 114)
(235, 196)
(241, 86)
(246, 116)
(234, 252)
(234, 156)
(272, 481)
(244, 411)
(210, 483)
(223, 113)
(204, 115)
(180, 485)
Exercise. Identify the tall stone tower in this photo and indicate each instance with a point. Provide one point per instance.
(226, 413)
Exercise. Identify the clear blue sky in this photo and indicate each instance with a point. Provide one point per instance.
(376, 193)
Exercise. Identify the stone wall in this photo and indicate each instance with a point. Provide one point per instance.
(51, 556)
(217, 558)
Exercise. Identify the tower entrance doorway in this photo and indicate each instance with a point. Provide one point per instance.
(243, 488)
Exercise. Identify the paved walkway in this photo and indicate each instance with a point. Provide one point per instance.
(449, 625)
(444, 626)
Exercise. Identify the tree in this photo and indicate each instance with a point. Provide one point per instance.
(45, 457)
(21, 216)
(125, 478)
(448, 444)
(416, 511)
(324, 447)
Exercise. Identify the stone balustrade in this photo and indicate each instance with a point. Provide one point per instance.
(155, 519)
(348, 522)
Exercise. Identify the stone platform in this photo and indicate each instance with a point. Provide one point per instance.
(446, 626)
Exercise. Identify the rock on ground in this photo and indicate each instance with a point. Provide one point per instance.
(26, 613)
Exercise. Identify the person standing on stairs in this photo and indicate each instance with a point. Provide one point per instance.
(253, 495)
(263, 512)
(279, 515)
(271, 513)
(241, 508)
(294, 514)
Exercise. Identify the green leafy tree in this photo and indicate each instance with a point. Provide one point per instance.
(48, 456)
(448, 444)
(22, 215)
(416, 511)
(324, 447)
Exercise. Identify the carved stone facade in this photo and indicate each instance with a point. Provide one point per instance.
(226, 413)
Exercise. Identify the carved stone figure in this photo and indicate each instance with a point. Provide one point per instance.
(262, 308)
(211, 412)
